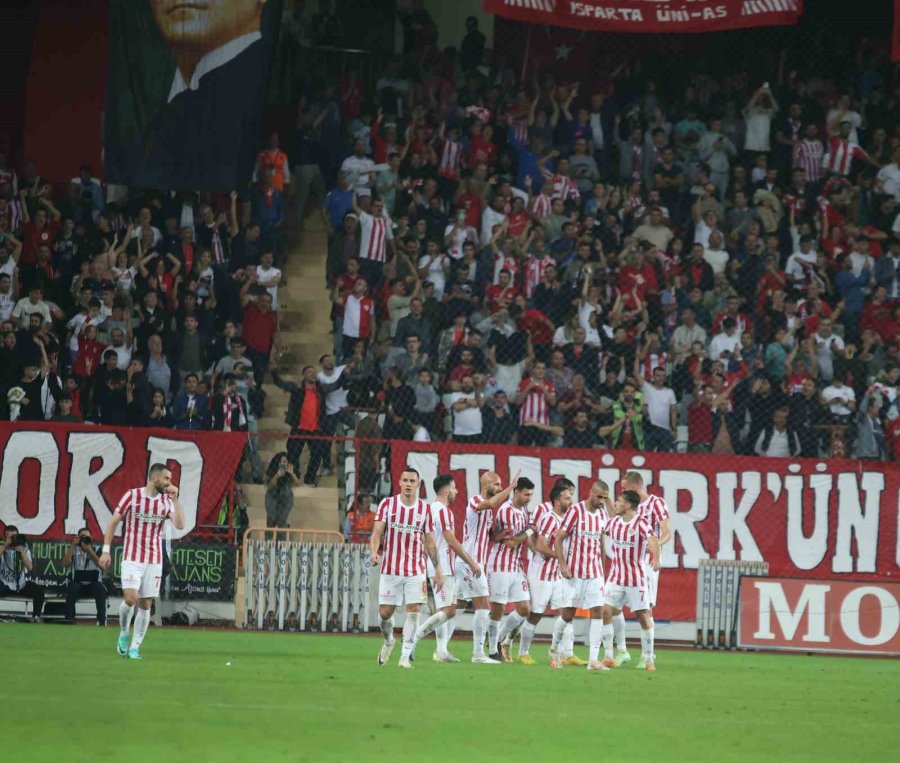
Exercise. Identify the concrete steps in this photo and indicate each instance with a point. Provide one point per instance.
(315, 508)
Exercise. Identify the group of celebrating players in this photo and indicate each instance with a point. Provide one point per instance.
(549, 556)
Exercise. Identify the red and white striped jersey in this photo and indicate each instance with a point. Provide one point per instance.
(534, 519)
(359, 316)
(13, 210)
(547, 567)
(404, 536)
(841, 154)
(629, 545)
(501, 558)
(476, 530)
(144, 516)
(374, 233)
(534, 270)
(534, 407)
(442, 519)
(584, 530)
(808, 157)
(654, 509)
(451, 160)
(540, 206)
(563, 187)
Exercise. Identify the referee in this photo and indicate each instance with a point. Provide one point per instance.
(84, 576)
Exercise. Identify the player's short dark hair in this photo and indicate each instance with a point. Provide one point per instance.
(440, 482)
(633, 478)
(602, 485)
(564, 483)
(556, 491)
(631, 497)
(157, 468)
(524, 484)
(409, 469)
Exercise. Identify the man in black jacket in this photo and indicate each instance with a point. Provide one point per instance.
(305, 412)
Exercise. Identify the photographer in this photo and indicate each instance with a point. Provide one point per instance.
(84, 576)
(15, 566)
(280, 482)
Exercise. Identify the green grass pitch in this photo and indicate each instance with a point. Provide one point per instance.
(291, 697)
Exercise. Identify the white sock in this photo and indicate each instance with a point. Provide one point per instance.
(568, 642)
(493, 635)
(512, 621)
(410, 626)
(387, 630)
(647, 643)
(559, 628)
(479, 631)
(607, 637)
(595, 638)
(141, 623)
(432, 623)
(451, 626)
(526, 637)
(618, 624)
(125, 615)
(440, 638)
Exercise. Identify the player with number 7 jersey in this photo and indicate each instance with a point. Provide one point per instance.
(632, 542)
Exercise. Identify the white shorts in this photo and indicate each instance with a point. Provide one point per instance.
(652, 582)
(635, 598)
(545, 593)
(582, 593)
(506, 587)
(469, 587)
(143, 578)
(401, 589)
(446, 596)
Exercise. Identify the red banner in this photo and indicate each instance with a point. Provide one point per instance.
(656, 16)
(805, 517)
(834, 616)
(57, 478)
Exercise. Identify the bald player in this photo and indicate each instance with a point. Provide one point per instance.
(476, 531)
(656, 511)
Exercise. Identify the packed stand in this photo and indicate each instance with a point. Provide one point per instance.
(616, 264)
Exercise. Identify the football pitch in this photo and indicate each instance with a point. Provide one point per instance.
(290, 697)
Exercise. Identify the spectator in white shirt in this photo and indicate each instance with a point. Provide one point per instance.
(268, 276)
(801, 262)
(729, 340)
(827, 344)
(491, 217)
(777, 440)
(660, 413)
(360, 169)
(714, 254)
(840, 399)
(758, 116)
(466, 405)
(7, 297)
(889, 175)
(843, 113)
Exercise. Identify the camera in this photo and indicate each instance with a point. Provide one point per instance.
(85, 540)
(16, 541)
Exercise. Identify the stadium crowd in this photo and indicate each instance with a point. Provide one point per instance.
(612, 262)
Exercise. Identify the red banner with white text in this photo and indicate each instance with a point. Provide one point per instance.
(805, 517)
(656, 16)
(57, 478)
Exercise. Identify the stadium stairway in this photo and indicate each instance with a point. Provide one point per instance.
(304, 316)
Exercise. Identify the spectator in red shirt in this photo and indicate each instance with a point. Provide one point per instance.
(40, 230)
(501, 294)
(260, 328)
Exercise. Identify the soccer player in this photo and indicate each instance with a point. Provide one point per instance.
(581, 564)
(476, 531)
(656, 511)
(448, 548)
(504, 569)
(144, 510)
(404, 521)
(544, 578)
(631, 538)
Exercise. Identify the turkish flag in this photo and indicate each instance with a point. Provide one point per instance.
(567, 54)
